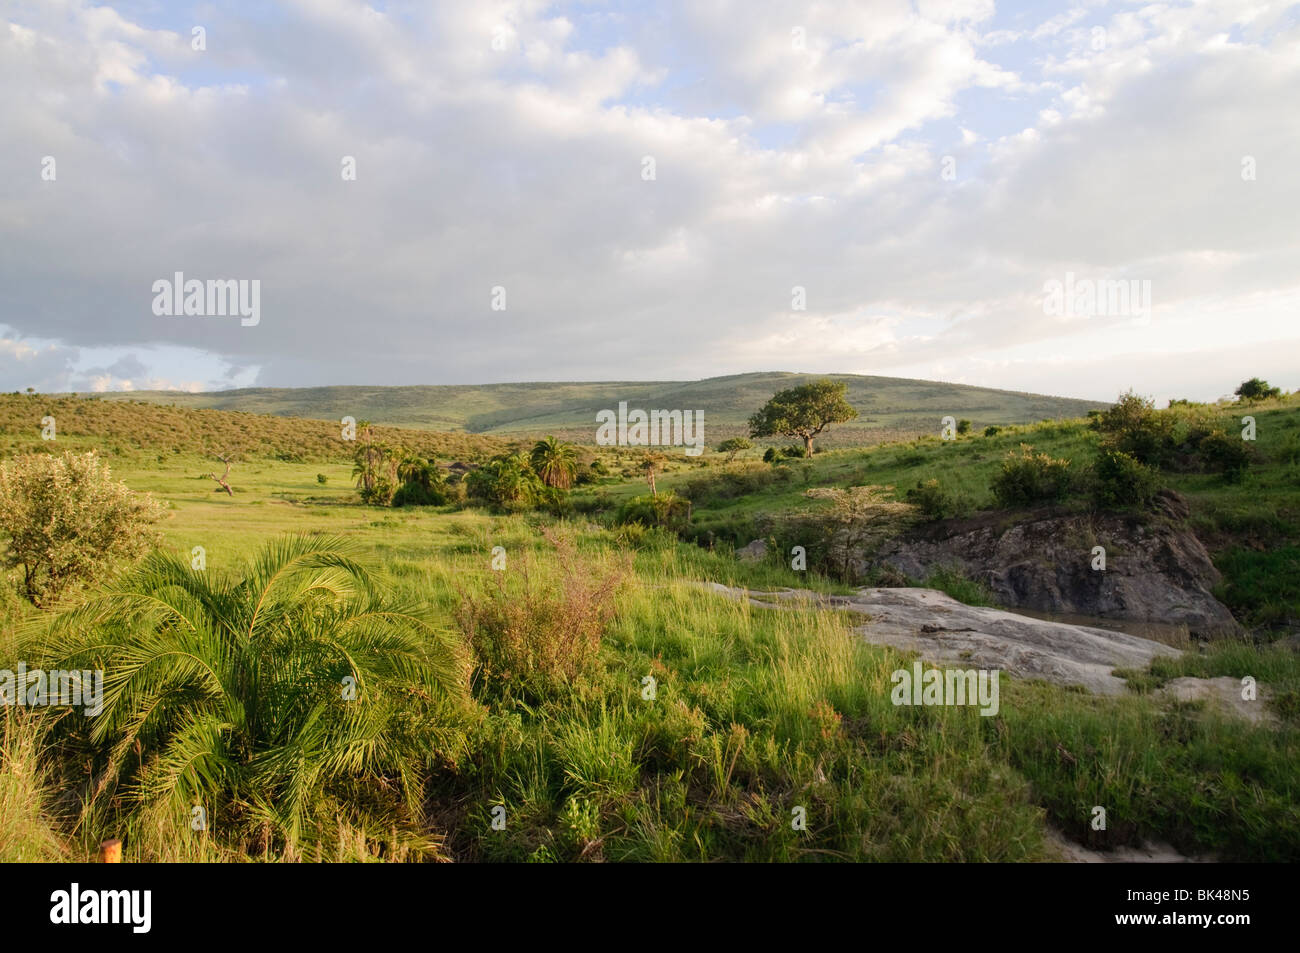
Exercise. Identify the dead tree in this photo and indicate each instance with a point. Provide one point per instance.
(224, 458)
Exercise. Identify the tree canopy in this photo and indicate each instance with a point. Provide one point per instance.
(803, 411)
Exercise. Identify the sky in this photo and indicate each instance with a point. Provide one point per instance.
(652, 191)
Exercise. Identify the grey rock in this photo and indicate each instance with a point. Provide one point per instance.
(754, 552)
(1157, 571)
(943, 630)
(1223, 693)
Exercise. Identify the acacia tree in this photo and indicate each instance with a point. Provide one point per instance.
(732, 446)
(1257, 389)
(803, 411)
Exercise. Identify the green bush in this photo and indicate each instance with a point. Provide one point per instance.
(1030, 478)
(1135, 427)
(1120, 480)
(322, 479)
(1225, 454)
(992, 431)
(963, 427)
(932, 500)
(667, 510)
(67, 522)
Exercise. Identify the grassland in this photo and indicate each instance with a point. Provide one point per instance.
(756, 712)
(888, 406)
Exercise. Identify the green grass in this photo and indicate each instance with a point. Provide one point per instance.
(757, 712)
(885, 404)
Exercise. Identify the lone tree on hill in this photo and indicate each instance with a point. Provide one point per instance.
(1256, 389)
(803, 411)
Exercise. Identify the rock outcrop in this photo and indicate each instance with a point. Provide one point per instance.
(1156, 570)
(943, 630)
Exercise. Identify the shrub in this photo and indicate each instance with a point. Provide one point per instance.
(932, 500)
(963, 427)
(505, 482)
(1135, 427)
(733, 446)
(416, 494)
(667, 511)
(770, 455)
(1120, 480)
(1031, 478)
(322, 479)
(992, 431)
(277, 698)
(534, 632)
(69, 523)
(1225, 454)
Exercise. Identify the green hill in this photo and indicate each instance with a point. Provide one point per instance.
(888, 406)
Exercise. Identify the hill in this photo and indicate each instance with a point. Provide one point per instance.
(125, 426)
(888, 406)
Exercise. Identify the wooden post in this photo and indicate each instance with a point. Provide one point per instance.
(110, 852)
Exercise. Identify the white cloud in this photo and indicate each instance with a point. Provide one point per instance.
(775, 166)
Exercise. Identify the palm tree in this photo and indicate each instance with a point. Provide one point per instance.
(231, 691)
(554, 462)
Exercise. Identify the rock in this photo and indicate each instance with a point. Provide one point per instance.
(1157, 853)
(1157, 572)
(754, 552)
(943, 630)
(1223, 693)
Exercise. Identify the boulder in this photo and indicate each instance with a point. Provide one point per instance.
(756, 551)
(945, 631)
(1157, 572)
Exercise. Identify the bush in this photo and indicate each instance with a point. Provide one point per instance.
(667, 511)
(1031, 478)
(416, 494)
(279, 698)
(1225, 454)
(963, 427)
(932, 500)
(505, 482)
(322, 479)
(536, 633)
(733, 446)
(992, 431)
(770, 455)
(1120, 480)
(69, 523)
(1135, 427)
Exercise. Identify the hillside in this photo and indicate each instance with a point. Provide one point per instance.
(887, 405)
(124, 426)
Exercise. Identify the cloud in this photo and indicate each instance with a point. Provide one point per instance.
(792, 146)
